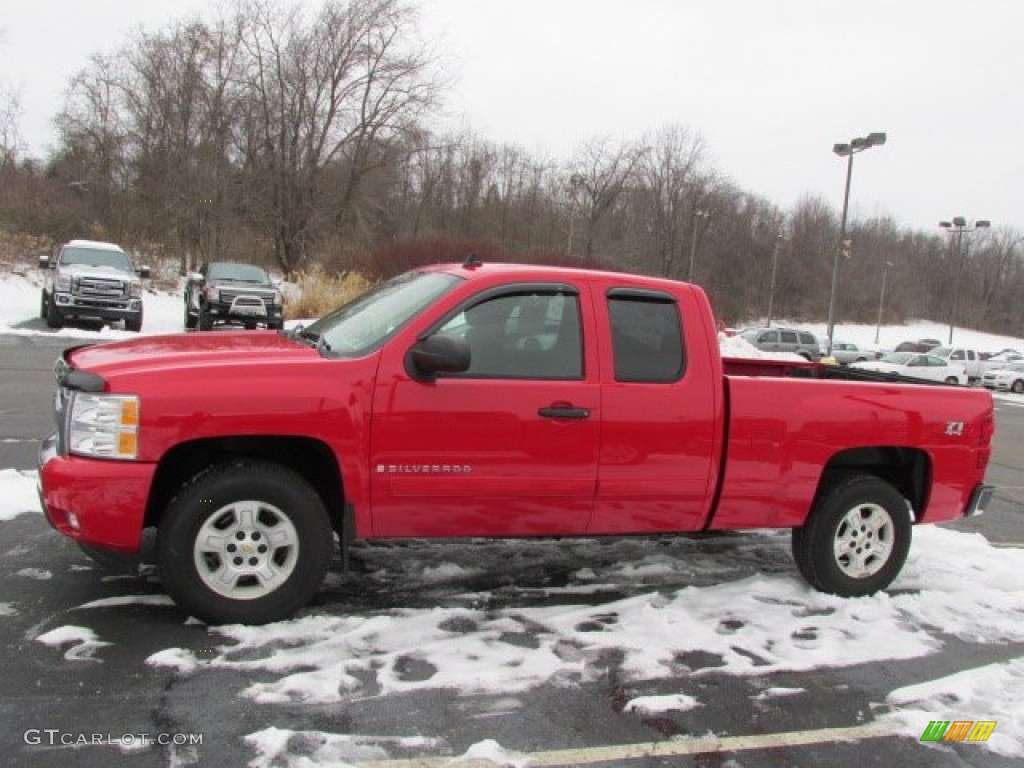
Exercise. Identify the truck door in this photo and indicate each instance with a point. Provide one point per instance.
(507, 448)
(661, 416)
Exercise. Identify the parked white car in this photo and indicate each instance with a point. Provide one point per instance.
(917, 365)
(1009, 378)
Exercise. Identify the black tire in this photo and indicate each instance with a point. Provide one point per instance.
(134, 323)
(952, 380)
(276, 325)
(42, 305)
(190, 318)
(869, 522)
(53, 316)
(1017, 387)
(272, 556)
(205, 320)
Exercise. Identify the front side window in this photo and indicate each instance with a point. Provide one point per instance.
(647, 342)
(529, 335)
(788, 337)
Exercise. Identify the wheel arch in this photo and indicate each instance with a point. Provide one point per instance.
(308, 457)
(908, 470)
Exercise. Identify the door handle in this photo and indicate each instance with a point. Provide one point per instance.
(564, 412)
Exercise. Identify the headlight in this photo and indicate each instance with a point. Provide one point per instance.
(211, 293)
(62, 282)
(136, 289)
(278, 298)
(104, 426)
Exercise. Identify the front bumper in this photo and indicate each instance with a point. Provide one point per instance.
(70, 305)
(96, 502)
(242, 312)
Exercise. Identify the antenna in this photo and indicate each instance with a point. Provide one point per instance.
(472, 261)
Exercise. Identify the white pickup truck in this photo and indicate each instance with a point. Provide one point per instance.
(974, 363)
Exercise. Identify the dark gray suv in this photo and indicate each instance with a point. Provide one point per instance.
(801, 343)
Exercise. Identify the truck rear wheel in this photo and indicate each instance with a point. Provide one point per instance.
(856, 539)
(247, 542)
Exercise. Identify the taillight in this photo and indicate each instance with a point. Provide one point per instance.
(988, 429)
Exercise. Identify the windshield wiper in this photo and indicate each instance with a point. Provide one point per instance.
(310, 338)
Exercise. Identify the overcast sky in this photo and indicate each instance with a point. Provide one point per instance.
(770, 85)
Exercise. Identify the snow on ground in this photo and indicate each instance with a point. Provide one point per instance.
(82, 642)
(680, 608)
(18, 492)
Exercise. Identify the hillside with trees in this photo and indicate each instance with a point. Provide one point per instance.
(303, 140)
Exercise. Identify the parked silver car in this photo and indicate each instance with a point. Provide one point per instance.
(1008, 378)
(801, 343)
(845, 352)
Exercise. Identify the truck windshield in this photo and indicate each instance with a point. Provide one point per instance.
(364, 324)
(96, 257)
(241, 273)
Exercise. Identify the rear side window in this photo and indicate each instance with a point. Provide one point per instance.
(647, 342)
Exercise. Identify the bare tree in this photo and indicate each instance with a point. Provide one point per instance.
(319, 94)
(671, 175)
(600, 172)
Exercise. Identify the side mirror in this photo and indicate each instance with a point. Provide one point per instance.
(143, 272)
(440, 353)
(195, 277)
(44, 262)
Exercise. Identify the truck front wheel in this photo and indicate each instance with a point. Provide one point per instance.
(53, 316)
(247, 542)
(856, 539)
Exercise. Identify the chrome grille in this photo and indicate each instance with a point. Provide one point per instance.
(100, 287)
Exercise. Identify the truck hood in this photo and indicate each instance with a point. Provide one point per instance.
(87, 270)
(185, 350)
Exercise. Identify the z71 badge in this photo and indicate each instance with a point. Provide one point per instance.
(955, 428)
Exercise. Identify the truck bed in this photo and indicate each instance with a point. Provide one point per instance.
(793, 369)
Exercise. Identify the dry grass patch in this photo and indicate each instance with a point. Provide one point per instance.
(316, 293)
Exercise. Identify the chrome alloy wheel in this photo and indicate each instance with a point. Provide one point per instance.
(246, 550)
(864, 541)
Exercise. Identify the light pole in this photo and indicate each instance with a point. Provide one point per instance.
(575, 182)
(771, 287)
(847, 151)
(881, 300)
(697, 214)
(959, 227)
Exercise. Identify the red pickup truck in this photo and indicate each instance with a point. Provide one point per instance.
(490, 400)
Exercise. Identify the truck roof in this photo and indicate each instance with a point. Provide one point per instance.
(546, 272)
(93, 244)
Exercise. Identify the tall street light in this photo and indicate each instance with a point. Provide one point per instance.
(771, 287)
(847, 151)
(957, 228)
(881, 300)
(697, 214)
